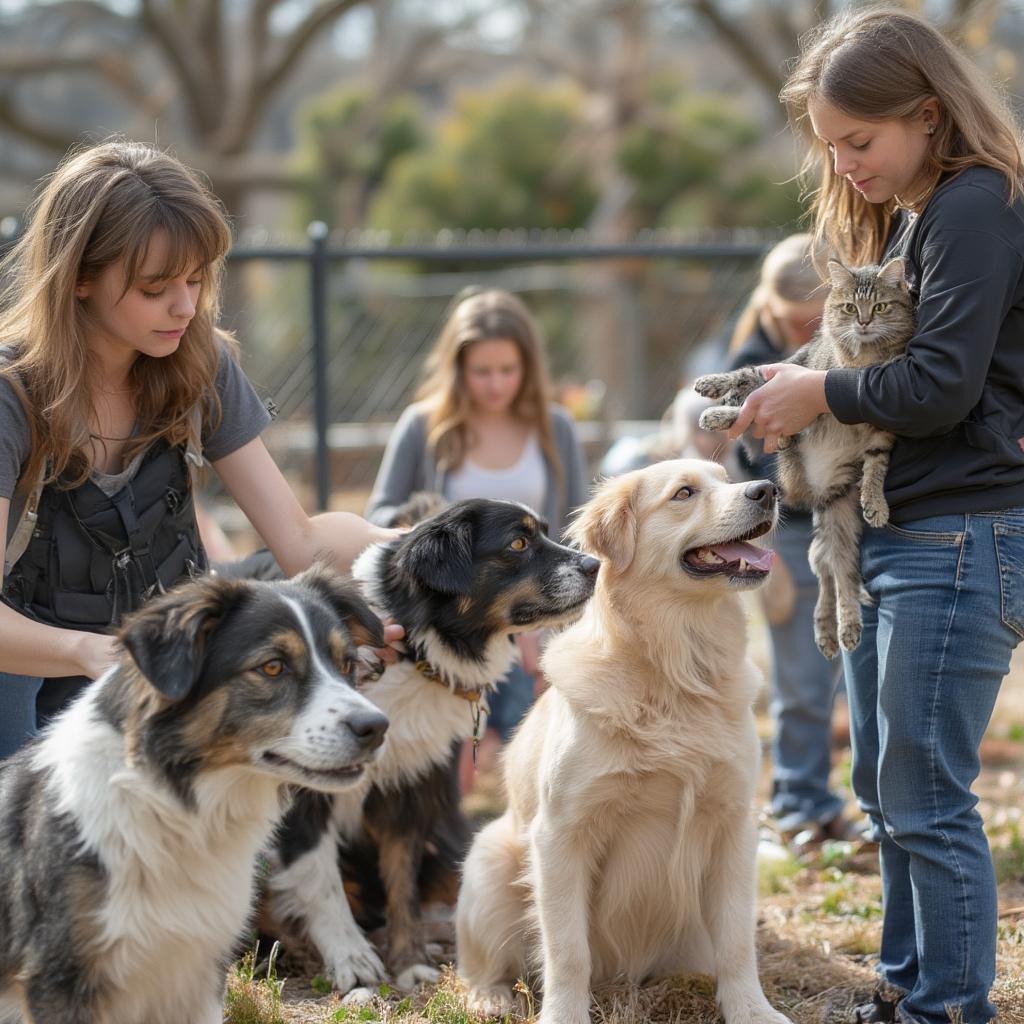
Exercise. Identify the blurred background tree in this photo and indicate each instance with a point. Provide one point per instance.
(695, 163)
(347, 143)
(499, 159)
(224, 82)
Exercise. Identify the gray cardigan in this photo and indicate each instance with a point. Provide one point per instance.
(407, 467)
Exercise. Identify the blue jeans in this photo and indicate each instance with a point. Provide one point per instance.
(948, 612)
(17, 711)
(803, 691)
(510, 702)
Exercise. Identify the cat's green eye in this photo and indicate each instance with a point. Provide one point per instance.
(881, 307)
(850, 308)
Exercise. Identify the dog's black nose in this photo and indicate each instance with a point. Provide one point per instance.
(762, 491)
(369, 728)
(589, 565)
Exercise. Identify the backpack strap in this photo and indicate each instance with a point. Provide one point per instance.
(26, 523)
(193, 449)
(29, 514)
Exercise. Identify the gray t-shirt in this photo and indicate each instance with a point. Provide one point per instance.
(243, 417)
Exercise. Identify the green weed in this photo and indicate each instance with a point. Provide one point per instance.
(251, 999)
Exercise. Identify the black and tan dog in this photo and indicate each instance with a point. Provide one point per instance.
(461, 583)
(130, 829)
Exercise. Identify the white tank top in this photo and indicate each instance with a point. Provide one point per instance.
(525, 481)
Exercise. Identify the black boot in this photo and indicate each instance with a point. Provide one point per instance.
(879, 1011)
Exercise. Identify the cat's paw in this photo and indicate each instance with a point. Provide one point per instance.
(826, 639)
(876, 512)
(783, 443)
(849, 634)
(714, 385)
(720, 417)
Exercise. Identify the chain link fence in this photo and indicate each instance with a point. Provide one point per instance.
(336, 332)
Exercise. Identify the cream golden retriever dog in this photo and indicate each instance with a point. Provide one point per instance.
(628, 847)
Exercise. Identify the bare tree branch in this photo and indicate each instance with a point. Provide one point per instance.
(749, 51)
(210, 37)
(25, 64)
(268, 79)
(32, 131)
(196, 86)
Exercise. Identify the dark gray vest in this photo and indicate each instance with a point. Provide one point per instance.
(92, 558)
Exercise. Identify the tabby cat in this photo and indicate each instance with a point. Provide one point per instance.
(868, 319)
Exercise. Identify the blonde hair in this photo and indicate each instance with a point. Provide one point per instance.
(484, 316)
(880, 64)
(102, 205)
(788, 272)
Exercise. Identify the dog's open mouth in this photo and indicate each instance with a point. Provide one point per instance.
(733, 558)
(344, 773)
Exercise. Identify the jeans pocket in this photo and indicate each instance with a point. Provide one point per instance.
(1009, 539)
(946, 538)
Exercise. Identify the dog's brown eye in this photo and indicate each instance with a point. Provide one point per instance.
(519, 544)
(271, 668)
(683, 493)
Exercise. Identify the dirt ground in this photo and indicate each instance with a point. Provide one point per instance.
(819, 918)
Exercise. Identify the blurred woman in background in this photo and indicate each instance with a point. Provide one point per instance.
(483, 425)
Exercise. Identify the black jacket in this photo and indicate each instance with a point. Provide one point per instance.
(956, 402)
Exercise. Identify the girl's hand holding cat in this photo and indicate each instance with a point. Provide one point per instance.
(793, 397)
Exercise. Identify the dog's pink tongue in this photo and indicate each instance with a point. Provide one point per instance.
(758, 558)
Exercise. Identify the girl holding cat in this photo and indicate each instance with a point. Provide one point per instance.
(918, 159)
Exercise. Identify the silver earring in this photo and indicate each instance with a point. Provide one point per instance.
(930, 129)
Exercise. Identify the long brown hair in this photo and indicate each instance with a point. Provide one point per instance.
(882, 63)
(788, 272)
(484, 316)
(102, 205)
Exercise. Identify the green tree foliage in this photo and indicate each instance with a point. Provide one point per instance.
(501, 158)
(695, 161)
(346, 144)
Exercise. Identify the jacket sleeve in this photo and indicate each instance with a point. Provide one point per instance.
(402, 469)
(574, 466)
(970, 278)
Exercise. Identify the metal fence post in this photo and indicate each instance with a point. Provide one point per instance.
(318, 232)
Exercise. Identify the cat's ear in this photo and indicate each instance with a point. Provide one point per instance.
(841, 277)
(894, 273)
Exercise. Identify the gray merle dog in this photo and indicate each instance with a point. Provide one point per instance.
(129, 830)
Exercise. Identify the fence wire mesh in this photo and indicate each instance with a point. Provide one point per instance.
(622, 328)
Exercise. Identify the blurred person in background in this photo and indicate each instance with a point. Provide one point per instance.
(679, 437)
(781, 316)
(483, 426)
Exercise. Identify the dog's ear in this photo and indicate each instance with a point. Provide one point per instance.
(439, 553)
(167, 638)
(607, 524)
(343, 596)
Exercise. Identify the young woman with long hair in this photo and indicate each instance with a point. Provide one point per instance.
(114, 381)
(915, 156)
